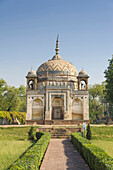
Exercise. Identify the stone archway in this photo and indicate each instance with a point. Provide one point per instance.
(57, 108)
(37, 109)
(77, 110)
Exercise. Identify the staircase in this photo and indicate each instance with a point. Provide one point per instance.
(60, 132)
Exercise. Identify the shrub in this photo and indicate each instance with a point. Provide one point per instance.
(95, 157)
(32, 133)
(78, 141)
(12, 115)
(32, 159)
(39, 135)
(88, 134)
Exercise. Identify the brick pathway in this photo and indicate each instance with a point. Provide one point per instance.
(62, 155)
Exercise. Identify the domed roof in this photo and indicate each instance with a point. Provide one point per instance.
(57, 64)
(83, 73)
(56, 57)
(31, 73)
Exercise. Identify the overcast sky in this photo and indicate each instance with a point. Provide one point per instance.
(28, 31)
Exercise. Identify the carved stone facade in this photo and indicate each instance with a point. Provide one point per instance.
(57, 92)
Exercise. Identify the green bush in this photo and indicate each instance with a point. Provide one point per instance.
(32, 159)
(32, 133)
(12, 115)
(78, 141)
(88, 135)
(39, 135)
(95, 157)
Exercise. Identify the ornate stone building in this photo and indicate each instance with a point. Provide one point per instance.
(56, 92)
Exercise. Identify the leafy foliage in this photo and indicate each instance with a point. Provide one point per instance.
(88, 134)
(96, 100)
(11, 98)
(32, 133)
(33, 157)
(95, 157)
(12, 115)
(12, 102)
(39, 135)
(109, 86)
(109, 81)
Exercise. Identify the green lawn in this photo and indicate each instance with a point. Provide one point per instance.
(103, 137)
(13, 143)
(107, 146)
(102, 133)
(10, 152)
(14, 133)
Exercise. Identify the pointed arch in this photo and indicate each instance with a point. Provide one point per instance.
(77, 109)
(37, 109)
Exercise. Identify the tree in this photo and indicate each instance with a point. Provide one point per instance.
(109, 81)
(11, 99)
(96, 100)
(3, 90)
(12, 102)
(88, 134)
(22, 96)
(109, 84)
(32, 133)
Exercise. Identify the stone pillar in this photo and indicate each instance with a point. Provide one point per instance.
(87, 84)
(27, 84)
(35, 81)
(78, 83)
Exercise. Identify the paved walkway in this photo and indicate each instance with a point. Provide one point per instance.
(62, 155)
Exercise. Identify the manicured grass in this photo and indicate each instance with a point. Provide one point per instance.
(103, 138)
(13, 143)
(107, 146)
(10, 151)
(102, 133)
(14, 133)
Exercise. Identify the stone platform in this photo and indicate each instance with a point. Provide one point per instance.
(62, 132)
(56, 122)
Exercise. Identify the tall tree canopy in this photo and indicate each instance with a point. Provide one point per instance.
(109, 81)
(12, 98)
(96, 100)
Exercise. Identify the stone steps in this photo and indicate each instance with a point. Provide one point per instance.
(60, 137)
(60, 132)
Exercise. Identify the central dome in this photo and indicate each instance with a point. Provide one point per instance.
(57, 65)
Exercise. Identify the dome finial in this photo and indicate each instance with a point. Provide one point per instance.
(57, 46)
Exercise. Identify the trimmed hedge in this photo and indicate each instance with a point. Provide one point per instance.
(33, 157)
(39, 135)
(95, 157)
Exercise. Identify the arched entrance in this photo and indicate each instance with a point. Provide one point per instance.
(57, 108)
